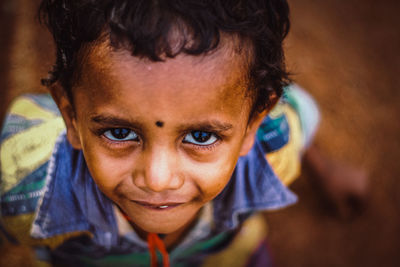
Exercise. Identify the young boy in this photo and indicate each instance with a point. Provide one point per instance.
(165, 107)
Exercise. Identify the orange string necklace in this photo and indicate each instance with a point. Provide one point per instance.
(154, 242)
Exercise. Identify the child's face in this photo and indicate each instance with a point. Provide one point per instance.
(161, 139)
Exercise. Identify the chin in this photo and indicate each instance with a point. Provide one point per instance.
(166, 221)
(161, 227)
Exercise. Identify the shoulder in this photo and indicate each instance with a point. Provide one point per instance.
(29, 133)
(287, 131)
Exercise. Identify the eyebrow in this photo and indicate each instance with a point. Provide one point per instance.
(209, 125)
(113, 121)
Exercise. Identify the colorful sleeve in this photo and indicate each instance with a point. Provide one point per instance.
(27, 138)
(287, 131)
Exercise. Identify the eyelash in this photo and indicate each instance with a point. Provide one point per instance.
(122, 143)
(209, 147)
(114, 143)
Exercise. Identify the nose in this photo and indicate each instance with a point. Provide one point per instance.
(160, 171)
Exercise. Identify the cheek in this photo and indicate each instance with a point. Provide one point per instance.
(212, 179)
(108, 172)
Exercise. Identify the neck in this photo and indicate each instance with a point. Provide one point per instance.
(171, 239)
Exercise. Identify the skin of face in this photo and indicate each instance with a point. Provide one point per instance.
(160, 176)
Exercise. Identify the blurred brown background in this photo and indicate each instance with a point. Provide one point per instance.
(346, 54)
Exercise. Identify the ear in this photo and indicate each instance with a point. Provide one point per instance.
(68, 113)
(251, 131)
(254, 124)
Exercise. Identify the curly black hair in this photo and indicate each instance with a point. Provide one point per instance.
(144, 27)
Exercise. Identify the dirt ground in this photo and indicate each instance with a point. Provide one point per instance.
(346, 54)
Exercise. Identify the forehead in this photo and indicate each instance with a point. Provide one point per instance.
(218, 78)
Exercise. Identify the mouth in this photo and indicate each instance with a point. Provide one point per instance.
(158, 206)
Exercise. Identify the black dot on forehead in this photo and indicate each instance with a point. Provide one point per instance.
(159, 123)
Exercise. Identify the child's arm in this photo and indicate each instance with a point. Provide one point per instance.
(287, 132)
(28, 135)
(343, 186)
(286, 161)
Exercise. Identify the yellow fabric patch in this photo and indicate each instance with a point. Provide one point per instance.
(23, 152)
(20, 227)
(253, 231)
(286, 162)
(30, 110)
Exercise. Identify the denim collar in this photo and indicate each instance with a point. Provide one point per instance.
(253, 187)
(72, 202)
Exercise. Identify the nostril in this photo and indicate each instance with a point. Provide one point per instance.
(176, 182)
(162, 182)
(139, 181)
